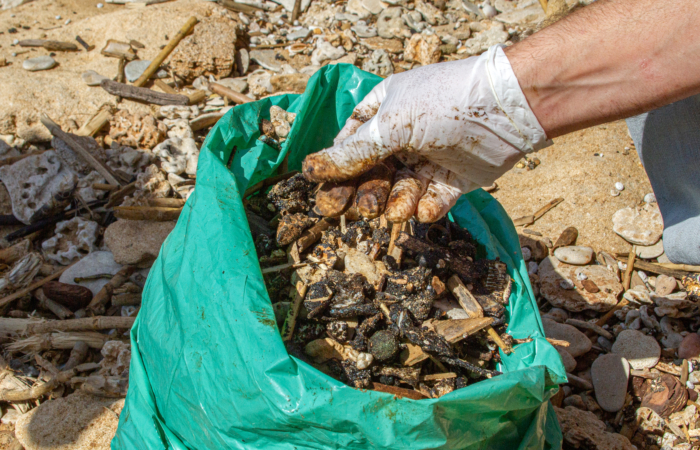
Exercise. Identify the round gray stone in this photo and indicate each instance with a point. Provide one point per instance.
(578, 342)
(610, 374)
(39, 63)
(642, 351)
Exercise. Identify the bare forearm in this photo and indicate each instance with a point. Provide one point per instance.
(610, 60)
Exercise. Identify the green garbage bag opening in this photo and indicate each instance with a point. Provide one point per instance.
(209, 369)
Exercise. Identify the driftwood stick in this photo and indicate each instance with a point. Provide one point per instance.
(497, 339)
(78, 149)
(165, 87)
(22, 292)
(86, 324)
(230, 94)
(143, 94)
(174, 41)
(77, 355)
(61, 311)
(32, 393)
(95, 123)
(464, 297)
(295, 10)
(49, 45)
(313, 234)
(104, 187)
(117, 197)
(197, 96)
(58, 341)
(126, 300)
(98, 302)
(291, 320)
(166, 202)
(625, 284)
(155, 213)
(11, 254)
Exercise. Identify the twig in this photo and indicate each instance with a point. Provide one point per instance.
(61, 311)
(58, 341)
(295, 10)
(239, 7)
(165, 87)
(78, 148)
(86, 324)
(98, 302)
(22, 292)
(529, 220)
(15, 253)
(49, 45)
(680, 267)
(290, 321)
(85, 45)
(155, 63)
(144, 94)
(590, 326)
(497, 339)
(232, 95)
(96, 122)
(104, 187)
(117, 196)
(154, 213)
(77, 355)
(283, 267)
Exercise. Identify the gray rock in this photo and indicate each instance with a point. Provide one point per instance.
(568, 360)
(242, 59)
(235, 84)
(39, 63)
(364, 31)
(301, 33)
(373, 6)
(557, 315)
(379, 63)
(642, 351)
(266, 58)
(136, 242)
(92, 78)
(671, 331)
(390, 24)
(578, 342)
(651, 251)
(530, 14)
(610, 374)
(574, 254)
(96, 263)
(135, 69)
(324, 51)
(481, 41)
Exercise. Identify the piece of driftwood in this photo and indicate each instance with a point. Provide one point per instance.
(313, 234)
(58, 341)
(117, 197)
(96, 123)
(461, 267)
(58, 309)
(529, 220)
(129, 299)
(143, 94)
(205, 120)
(507, 349)
(295, 10)
(104, 187)
(100, 300)
(56, 46)
(85, 45)
(230, 94)
(397, 391)
(154, 213)
(79, 149)
(165, 87)
(291, 320)
(85, 324)
(14, 253)
(158, 60)
(77, 355)
(464, 297)
(36, 285)
(117, 49)
(167, 202)
(452, 330)
(197, 96)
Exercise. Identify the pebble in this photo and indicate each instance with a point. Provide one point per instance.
(364, 31)
(576, 255)
(665, 285)
(610, 375)
(619, 186)
(650, 251)
(100, 5)
(578, 342)
(689, 347)
(557, 315)
(92, 78)
(39, 63)
(266, 58)
(532, 267)
(566, 359)
(301, 33)
(614, 192)
(489, 11)
(650, 198)
(527, 254)
(640, 225)
(642, 351)
(135, 69)
(58, 17)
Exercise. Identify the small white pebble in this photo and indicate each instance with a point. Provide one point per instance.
(650, 198)
(689, 385)
(67, 21)
(532, 268)
(567, 284)
(581, 276)
(15, 42)
(58, 17)
(527, 254)
(627, 148)
(100, 5)
(619, 186)
(614, 192)
(621, 265)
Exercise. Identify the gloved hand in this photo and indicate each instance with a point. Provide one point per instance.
(456, 126)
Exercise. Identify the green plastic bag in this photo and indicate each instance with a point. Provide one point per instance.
(208, 367)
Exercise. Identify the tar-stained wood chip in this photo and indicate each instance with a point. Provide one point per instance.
(590, 286)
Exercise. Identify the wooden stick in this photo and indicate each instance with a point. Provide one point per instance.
(116, 197)
(95, 124)
(680, 267)
(98, 302)
(542, 211)
(155, 64)
(22, 292)
(558, 342)
(61, 311)
(283, 267)
(313, 234)
(78, 149)
(165, 87)
(166, 202)
(464, 297)
(144, 94)
(15, 253)
(655, 268)
(291, 320)
(58, 341)
(239, 7)
(395, 232)
(56, 46)
(154, 213)
(104, 187)
(497, 339)
(232, 95)
(295, 10)
(438, 376)
(205, 121)
(197, 97)
(77, 355)
(397, 391)
(129, 299)
(86, 324)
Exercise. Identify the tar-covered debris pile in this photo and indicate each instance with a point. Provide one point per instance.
(405, 308)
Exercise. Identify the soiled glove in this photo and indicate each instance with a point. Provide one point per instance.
(456, 126)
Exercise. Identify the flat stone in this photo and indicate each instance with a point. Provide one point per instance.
(566, 358)
(266, 58)
(92, 78)
(690, 347)
(665, 285)
(136, 242)
(651, 251)
(480, 42)
(379, 43)
(575, 255)
(77, 421)
(610, 374)
(578, 342)
(364, 31)
(39, 63)
(530, 14)
(553, 274)
(301, 33)
(639, 225)
(642, 351)
(134, 69)
(390, 24)
(373, 6)
(96, 263)
(557, 315)
(582, 429)
(538, 247)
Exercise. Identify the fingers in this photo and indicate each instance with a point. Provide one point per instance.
(403, 200)
(373, 191)
(358, 146)
(332, 199)
(436, 202)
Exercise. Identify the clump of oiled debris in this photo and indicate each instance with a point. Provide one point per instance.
(418, 315)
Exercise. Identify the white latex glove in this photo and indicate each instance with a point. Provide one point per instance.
(457, 126)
